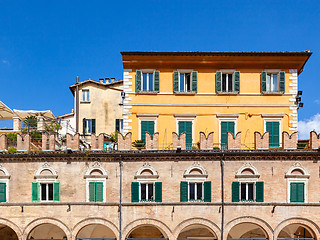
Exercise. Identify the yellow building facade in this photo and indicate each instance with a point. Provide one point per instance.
(207, 92)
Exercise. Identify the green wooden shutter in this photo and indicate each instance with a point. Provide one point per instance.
(156, 80)
(235, 191)
(183, 191)
(56, 192)
(300, 192)
(218, 81)
(91, 192)
(274, 135)
(134, 192)
(158, 191)
(282, 82)
(259, 191)
(188, 126)
(35, 192)
(98, 192)
(263, 81)
(236, 77)
(93, 130)
(144, 129)
(138, 80)
(84, 125)
(3, 192)
(181, 126)
(207, 191)
(175, 78)
(151, 127)
(223, 135)
(194, 81)
(118, 125)
(293, 192)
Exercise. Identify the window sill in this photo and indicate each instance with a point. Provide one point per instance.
(185, 93)
(147, 93)
(85, 102)
(273, 93)
(146, 201)
(227, 93)
(196, 201)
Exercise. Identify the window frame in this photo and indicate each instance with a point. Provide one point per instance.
(148, 81)
(84, 95)
(184, 71)
(47, 191)
(247, 192)
(227, 82)
(196, 181)
(192, 119)
(275, 118)
(5, 179)
(185, 82)
(271, 84)
(96, 178)
(147, 187)
(46, 179)
(227, 118)
(154, 119)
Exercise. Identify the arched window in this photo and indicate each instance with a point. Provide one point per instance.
(247, 188)
(146, 188)
(195, 188)
(297, 180)
(46, 188)
(96, 178)
(4, 184)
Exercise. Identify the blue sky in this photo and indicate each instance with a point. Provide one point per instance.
(44, 45)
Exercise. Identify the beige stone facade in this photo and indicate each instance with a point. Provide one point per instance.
(74, 216)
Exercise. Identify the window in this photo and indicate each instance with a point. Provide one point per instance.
(85, 96)
(247, 192)
(89, 126)
(146, 189)
(225, 127)
(297, 179)
(3, 192)
(272, 82)
(195, 191)
(273, 128)
(95, 191)
(185, 81)
(119, 125)
(186, 126)
(146, 126)
(227, 83)
(147, 81)
(96, 179)
(46, 188)
(46, 191)
(146, 192)
(4, 184)
(196, 188)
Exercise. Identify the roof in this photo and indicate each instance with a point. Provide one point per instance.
(5, 112)
(66, 115)
(26, 113)
(216, 53)
(95, 82)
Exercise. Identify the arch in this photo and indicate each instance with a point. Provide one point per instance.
(96, 167)
(251, 220)
(5, 171)
(146, 167)
(13, 226)
(85, 222)
(297, 167)
(249, 168)
(193, 167)
(163, 228)
(302, 221)
(197, 221)
(46, 167)
(40, 221)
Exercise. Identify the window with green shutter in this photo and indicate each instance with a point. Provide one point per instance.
(225, 127)
(95, 191)
(138, 80)
(158, 191)
(235, 191)
(156, 75)
(56, 192)
(134, 192)
(207, 191)
(35, 192)
(272, 82)
(146, 126)
(218, 81)
(186, 126)
(273, 128)
(3, 192)
(297, 192)
(175, 78)
(259, 191)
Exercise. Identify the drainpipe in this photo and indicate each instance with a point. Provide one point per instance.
(77, 105)
(222, 195)
(120, 203)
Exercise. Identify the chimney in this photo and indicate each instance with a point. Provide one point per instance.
(101, 80)
(113, 79)
(107, 80)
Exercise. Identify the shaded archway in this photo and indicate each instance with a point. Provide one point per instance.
(96, 231)
(7, 233)
(296, 231)
(247, 231)
(197, 231)
(47, 231)
(147, 231)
